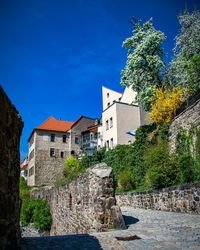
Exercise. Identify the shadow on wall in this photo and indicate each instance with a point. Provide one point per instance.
(129, 220)
(76, 242)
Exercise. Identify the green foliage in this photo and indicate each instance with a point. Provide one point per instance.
(37, 212)
(60, 181)
(183, 142)
(24, 189)
(130, 158)
(138, 165)
(98, 156)
(186, 168)
(163, 132)
(188, 155)
(185, 66)
(144, 62)
(162, 170)
(72, 168)
(194, 73)
(125, 181)
(85, 162)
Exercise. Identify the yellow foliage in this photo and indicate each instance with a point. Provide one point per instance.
(165, 106)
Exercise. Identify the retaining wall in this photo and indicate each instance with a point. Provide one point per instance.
(185, 199)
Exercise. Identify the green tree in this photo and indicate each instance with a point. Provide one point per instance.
(72, 168)
(184, 71)
(144, 62)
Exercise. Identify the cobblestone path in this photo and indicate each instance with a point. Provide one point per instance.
(157, 230)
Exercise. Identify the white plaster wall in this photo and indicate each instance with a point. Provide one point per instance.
(111, 132)
(128, 118)
(113, 96)
(128, 96)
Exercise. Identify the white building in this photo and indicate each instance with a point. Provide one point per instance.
(119, 117)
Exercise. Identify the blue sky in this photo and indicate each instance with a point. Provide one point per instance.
(56, 55)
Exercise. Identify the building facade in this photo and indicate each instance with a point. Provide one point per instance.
(50, 144)
(119, 117)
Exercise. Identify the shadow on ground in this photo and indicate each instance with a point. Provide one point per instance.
(129, 220)
(75, 242)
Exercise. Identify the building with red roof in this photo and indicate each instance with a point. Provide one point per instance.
(50, 144)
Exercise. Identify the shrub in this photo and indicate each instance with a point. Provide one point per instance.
(24, 189)
(85, 162)
(186, 168)
(184, 141)
(125, 181)
(72, 168)
(164, 108)
(37, 212)
(98, 156)
(162, 170)
(131, 157)
(60, 181)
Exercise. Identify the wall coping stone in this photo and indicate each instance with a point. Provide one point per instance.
(166, 189)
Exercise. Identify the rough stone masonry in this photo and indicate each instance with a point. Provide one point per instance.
(188, 119)
(86, 204)
(10, 131)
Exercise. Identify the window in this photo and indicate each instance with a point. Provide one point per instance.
(108, 104)
(76, 140)
(30, 171)
(107, 126)
(120, 99)
(111, 143)
(111, 122)
(62, 154)
(64, 138)
(52, 137)
(107, 144)
(52, 152)
(107, 95)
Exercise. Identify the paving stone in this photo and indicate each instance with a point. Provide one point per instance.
(157, 230)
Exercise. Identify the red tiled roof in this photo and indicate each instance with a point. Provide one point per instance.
(52, 124)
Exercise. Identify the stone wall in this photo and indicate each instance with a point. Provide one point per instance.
(185, 199)
(84, 205)
(10, 131)
(189, 118)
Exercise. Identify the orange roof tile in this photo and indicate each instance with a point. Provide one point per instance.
(52, 124)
